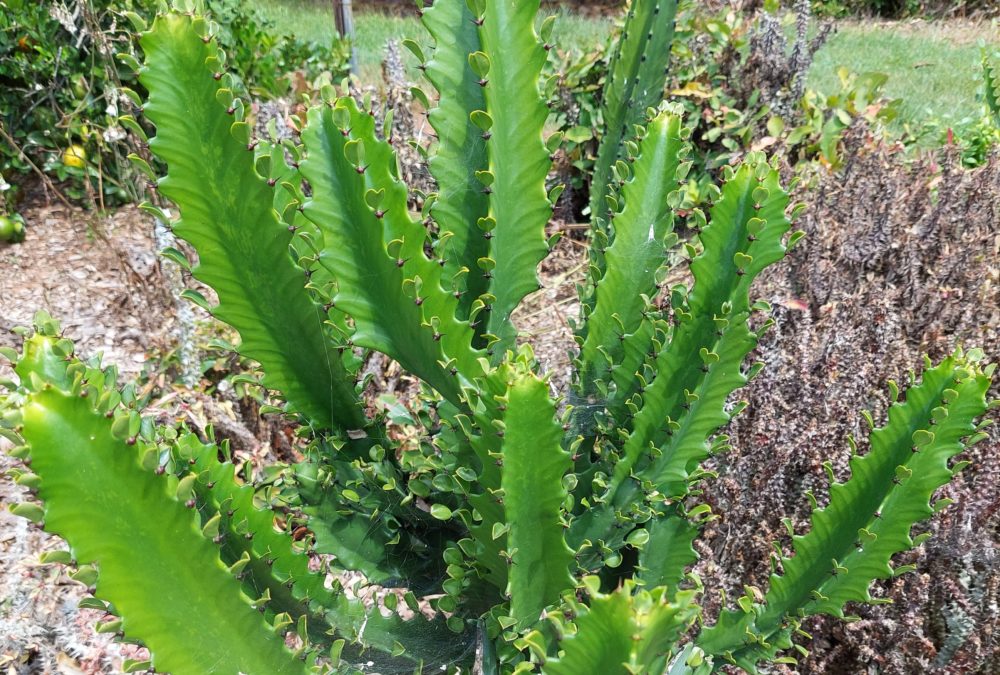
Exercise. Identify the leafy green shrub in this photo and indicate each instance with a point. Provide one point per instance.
(59, 93)
(61, 97)
(507, 532)
(734, 97)
(577, 79)
(264, 57)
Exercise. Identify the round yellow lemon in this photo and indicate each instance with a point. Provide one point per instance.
(76, 156)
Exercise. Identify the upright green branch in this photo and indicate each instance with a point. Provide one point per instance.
(461, 150)
(614, 343)
(508, 67)
(533, 468)
(636, 77)
(374, 251)
(226, 214)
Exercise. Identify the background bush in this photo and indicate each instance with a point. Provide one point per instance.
(61, 85)
(894, 9)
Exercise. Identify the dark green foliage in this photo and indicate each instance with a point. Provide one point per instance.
(578, 79)
(61, 84)
(263, 57)
(59, 87)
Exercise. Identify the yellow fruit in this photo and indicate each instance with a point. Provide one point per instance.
(76, 156)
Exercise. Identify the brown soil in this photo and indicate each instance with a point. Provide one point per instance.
(99, 276)
(543, 318)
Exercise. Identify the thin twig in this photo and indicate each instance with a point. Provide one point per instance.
(41, 174)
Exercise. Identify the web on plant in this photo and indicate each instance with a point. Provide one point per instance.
(422, 638)
(467, 647)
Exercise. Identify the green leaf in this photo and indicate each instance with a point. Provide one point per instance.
(517, 156)
(32, 512)
(161, 575)
(441, 512)
(226, 215)
(482, 445)
(229, 508)
(533, 467)
(286, 592)
(628, 631)
(365, 541)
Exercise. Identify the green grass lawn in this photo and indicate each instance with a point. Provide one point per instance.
(932, 67)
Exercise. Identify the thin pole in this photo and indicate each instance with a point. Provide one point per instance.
(344, 19)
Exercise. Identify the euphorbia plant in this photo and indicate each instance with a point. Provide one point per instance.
(514, 535)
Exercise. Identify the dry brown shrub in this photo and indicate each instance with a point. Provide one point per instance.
(901, 259)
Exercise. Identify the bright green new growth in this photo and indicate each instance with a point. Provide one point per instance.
(509, 531)
(136, 526)
(991, 86)
(636, 77)
(631, 629)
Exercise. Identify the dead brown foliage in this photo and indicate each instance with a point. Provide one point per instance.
(900, 260)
